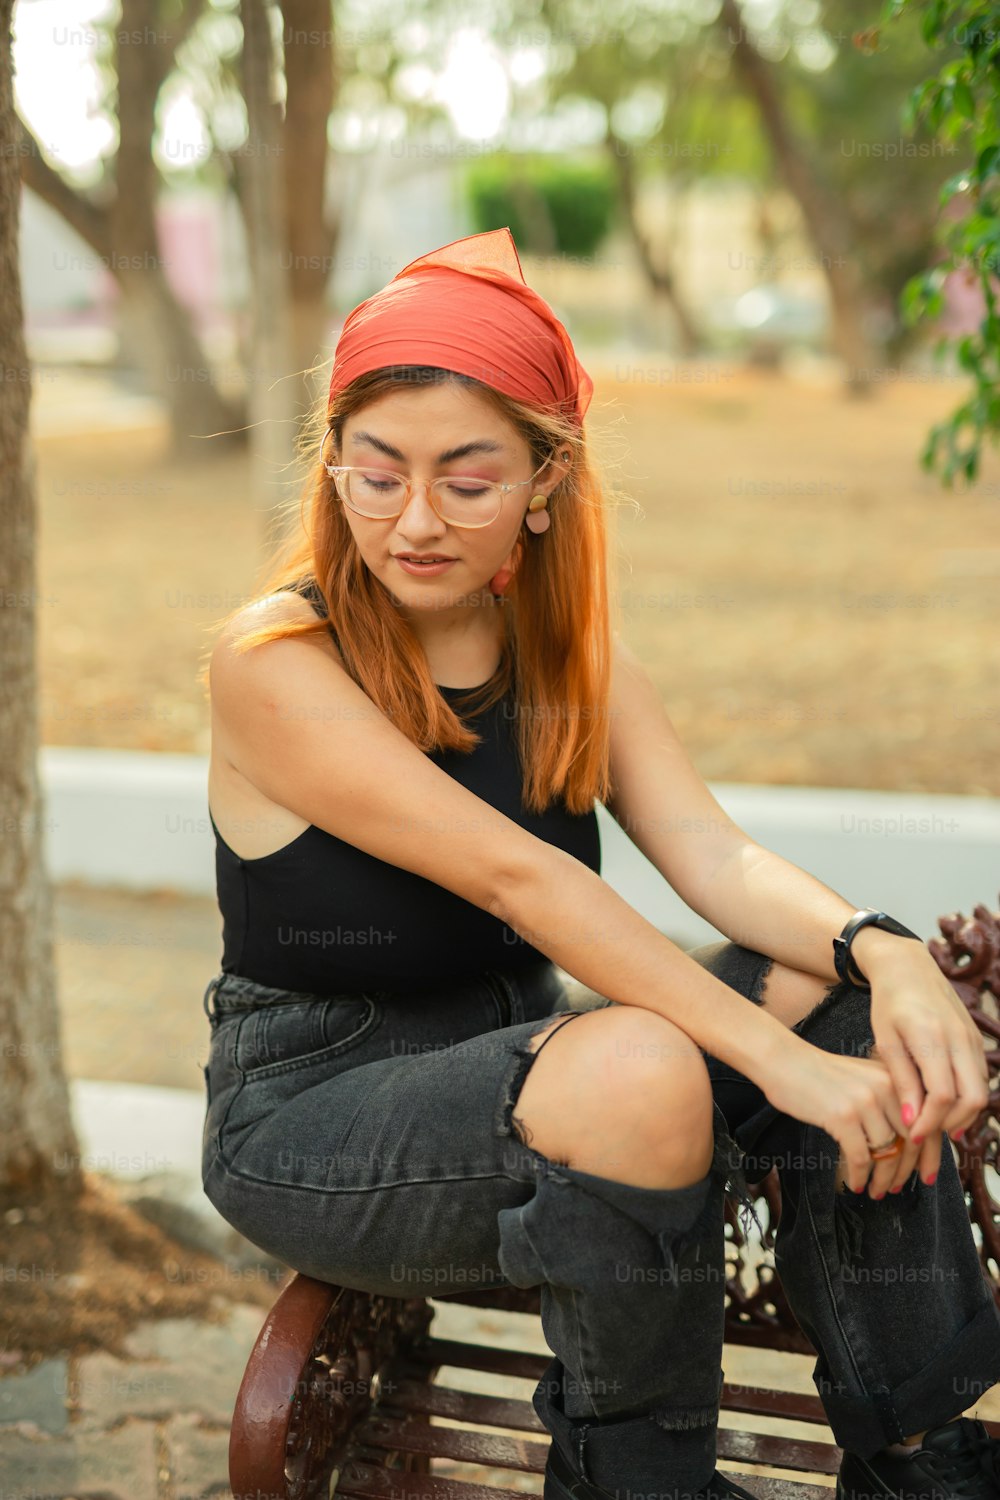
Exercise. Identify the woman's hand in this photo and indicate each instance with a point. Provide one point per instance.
(934, 1052)
(851, 1098)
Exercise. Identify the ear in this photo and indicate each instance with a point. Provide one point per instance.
(555, 470)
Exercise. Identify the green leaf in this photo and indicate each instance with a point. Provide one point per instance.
(963, 100)
(986, 161)
(931, 23)
(968, 355)
(912, 296)
(978, 230)
(915, 102)
(938, 108)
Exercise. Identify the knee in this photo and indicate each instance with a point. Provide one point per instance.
(657, 1078)
(629, 1093)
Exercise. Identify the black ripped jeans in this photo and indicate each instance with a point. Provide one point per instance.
(366, 1140)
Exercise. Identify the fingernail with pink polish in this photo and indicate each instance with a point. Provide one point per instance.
(931, 1180)
(909, 1114)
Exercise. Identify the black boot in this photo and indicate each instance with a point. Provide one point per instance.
(957, 1460)
(563, 1483)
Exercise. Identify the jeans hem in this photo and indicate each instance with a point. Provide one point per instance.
(639, 1454)
(631, 1455)
(865, 1423)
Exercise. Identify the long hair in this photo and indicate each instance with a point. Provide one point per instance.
(557, 621)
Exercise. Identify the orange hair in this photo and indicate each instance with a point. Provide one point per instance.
(557, 619)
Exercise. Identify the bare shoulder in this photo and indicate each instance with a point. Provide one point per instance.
(283, 607)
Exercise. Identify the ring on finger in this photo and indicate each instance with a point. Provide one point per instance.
(888, 1149)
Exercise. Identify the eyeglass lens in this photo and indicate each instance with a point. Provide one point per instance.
(378, 493)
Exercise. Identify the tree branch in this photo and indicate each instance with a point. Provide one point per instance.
(91, 221)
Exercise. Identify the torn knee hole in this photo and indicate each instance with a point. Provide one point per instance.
(525, 1056)
(522, 1133)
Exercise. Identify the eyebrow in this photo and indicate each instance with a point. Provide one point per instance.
(479, 445)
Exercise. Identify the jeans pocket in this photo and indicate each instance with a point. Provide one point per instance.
(283, 1038)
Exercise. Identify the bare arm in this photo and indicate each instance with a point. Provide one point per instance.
(575, 918)
(765, 902)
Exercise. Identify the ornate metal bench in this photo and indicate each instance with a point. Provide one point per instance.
(339, 1385)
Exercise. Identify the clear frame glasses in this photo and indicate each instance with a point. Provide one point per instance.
(458, 499)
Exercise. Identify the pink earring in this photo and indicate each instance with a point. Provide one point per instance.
(537, 518)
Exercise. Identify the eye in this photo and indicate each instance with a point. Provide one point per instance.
(378, 481)
(468, 488)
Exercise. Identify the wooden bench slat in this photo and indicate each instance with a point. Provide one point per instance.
(522, 1364)
(416, 1398)
(497, 1449)
(517, 1362)
(778, 1452)
(372, 1482)
(409, 1393)
(766, 1487)
(793, 1405)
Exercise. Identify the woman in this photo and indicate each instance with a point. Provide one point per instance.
(402, 787)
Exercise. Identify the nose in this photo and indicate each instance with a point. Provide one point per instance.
(418, 517)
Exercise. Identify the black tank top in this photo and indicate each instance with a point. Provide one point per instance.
(323, 916)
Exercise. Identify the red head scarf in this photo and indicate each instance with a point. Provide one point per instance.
(467, 307)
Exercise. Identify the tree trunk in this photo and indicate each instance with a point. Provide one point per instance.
(38, 1143)
(657, 272)
(175, 365)
(824, 218)
(272, 398)
(309, 41)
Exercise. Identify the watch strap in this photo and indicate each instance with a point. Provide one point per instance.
(843, 959)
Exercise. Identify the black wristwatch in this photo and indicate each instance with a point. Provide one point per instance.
(843, 960)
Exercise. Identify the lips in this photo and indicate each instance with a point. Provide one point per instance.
(411, 558)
